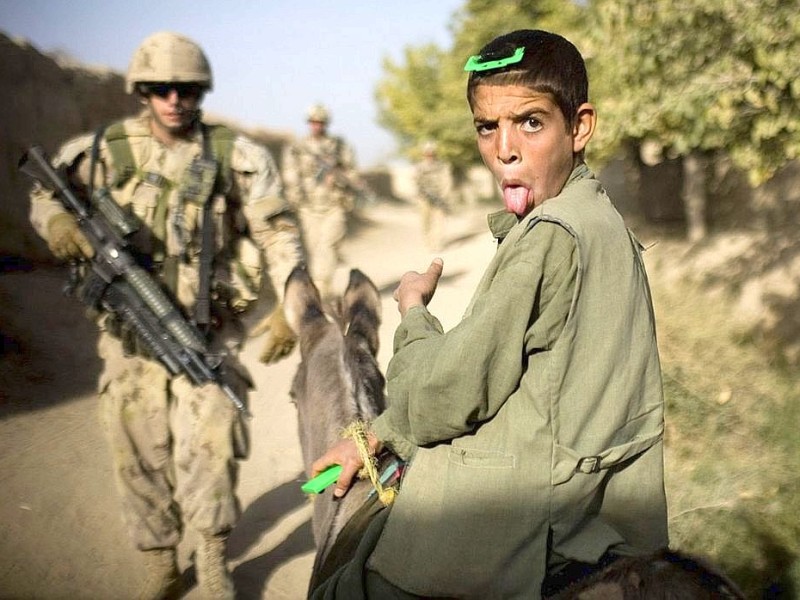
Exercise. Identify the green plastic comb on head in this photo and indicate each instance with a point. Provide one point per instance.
(477, 63)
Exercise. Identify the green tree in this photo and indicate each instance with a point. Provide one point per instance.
(698, 79)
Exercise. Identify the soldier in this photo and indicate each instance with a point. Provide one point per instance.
(174, 445)
(434, 180)
(321, 181)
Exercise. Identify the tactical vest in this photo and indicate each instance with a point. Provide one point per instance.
(209, 175)
(219, 137)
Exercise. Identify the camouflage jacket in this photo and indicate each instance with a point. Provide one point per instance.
(434, 180)
(320, 173)
(156, 186)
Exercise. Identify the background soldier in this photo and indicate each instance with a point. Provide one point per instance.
(434, 180)
(319, 173)
(174, 445)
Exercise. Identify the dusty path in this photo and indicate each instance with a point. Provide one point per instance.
(61, 534)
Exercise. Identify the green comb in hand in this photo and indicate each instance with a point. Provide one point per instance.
(317, 485)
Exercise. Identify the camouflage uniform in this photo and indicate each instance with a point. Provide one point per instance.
(174, 445)
(434, 180)
(320, 178)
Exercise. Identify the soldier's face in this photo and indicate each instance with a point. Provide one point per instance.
(173, 107)
(317, 128)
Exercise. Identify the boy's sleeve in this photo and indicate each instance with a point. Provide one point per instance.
(442, 385)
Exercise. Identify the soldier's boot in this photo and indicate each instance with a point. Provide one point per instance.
(213, 576)
(163, 581)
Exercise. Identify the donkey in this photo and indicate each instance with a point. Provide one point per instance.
(663, 575)
(337, 382)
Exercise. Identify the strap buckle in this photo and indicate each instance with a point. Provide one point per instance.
(589, 464)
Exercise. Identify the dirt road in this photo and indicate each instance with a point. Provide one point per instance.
(61, 534)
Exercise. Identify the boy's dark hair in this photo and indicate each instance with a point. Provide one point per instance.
(550, 64)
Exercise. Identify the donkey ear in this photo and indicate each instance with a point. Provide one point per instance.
(361, 294)
(361, 310)
(301, 298)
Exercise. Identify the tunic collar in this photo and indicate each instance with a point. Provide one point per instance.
(501, 222)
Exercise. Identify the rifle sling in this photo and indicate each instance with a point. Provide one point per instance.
(94, 157)
(202, 308)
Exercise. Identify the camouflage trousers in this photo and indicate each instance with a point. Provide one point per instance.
(433, 217)
(323, 231)
(174, 448)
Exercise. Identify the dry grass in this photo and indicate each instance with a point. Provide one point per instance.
(733, 453)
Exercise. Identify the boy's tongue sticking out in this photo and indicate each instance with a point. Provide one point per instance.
(515, 198)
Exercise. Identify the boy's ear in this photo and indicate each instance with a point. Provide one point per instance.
(583, 129)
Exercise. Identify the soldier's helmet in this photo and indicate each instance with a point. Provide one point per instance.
(165, 57)
(318, 113)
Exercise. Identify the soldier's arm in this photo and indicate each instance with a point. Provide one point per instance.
(72, 157)
(347, 163)
(448, 184)
(270, 219)
(292, 177)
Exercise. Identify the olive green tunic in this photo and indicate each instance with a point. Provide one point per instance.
(535, 425)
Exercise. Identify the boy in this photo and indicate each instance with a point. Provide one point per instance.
(533, 429)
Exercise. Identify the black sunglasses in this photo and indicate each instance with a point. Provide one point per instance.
(162, 90)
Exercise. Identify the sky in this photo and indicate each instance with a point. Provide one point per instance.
(271, 59)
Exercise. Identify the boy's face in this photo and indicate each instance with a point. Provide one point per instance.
(526, 142)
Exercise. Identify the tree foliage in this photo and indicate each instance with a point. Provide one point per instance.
(698, 76)
(689, 76)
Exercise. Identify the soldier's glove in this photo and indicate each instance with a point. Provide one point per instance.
(280, 337)
(66, 240)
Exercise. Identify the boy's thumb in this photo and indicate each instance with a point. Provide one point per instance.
(436, 268)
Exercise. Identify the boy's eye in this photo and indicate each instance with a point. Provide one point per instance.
(485, 128)
(532, 124)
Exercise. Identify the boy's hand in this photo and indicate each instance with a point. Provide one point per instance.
(418, 288)
(345, 453)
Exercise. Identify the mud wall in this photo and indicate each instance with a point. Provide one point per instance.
(45, 102)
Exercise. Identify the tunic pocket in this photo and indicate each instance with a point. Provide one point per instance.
(480, 459)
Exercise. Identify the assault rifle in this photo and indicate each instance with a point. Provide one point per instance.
(357, 187)
(327, 166)
(116, 283)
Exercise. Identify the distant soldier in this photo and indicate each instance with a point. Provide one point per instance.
(319, 172)
(434, 181)
(204, 197)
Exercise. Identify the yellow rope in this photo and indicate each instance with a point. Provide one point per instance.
(357, 431)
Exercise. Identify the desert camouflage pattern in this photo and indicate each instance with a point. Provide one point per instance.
(168, 57)
(172, 226)
(321, 184)
(174, 444)
(434, 181)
